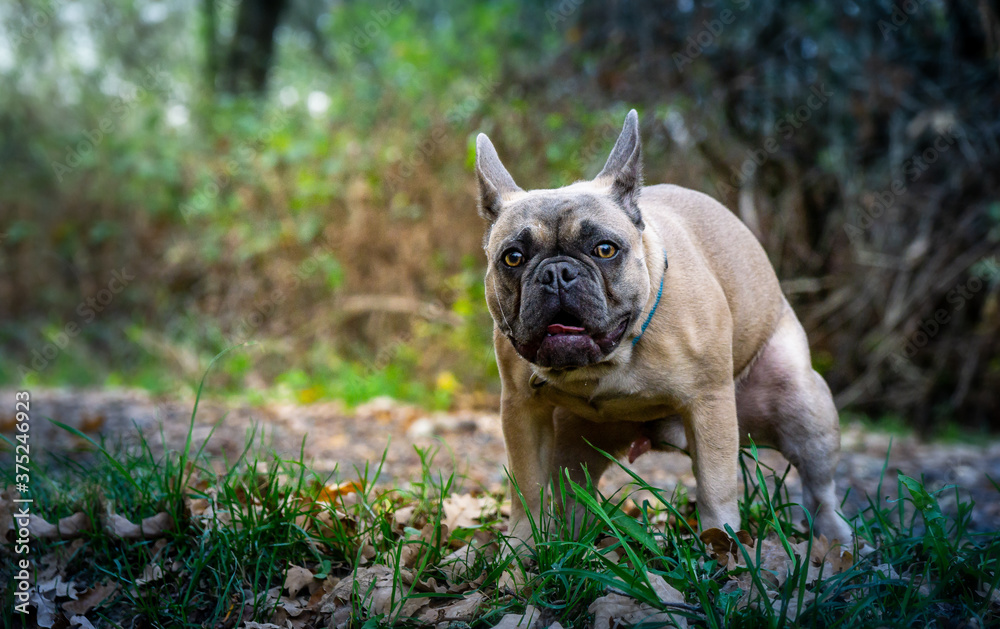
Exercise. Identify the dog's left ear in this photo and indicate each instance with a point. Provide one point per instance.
(494, 181)
(623, 170)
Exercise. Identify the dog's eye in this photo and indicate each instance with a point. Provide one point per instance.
(513, 258)
(605, 250)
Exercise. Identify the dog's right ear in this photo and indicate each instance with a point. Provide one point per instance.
(495, 182)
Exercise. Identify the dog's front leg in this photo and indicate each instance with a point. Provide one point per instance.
(528, 431)
(713, 441)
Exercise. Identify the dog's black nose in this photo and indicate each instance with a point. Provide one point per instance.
(559, 275)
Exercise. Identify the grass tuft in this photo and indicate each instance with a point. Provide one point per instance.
(376, 555)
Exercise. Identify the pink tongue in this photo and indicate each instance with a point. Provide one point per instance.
(558, 328)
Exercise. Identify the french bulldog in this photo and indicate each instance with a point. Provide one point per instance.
(631, 318)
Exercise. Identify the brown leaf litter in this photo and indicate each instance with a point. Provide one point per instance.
(777, 563)
(615, 609)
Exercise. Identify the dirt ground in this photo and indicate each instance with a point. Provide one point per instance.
(339, 442)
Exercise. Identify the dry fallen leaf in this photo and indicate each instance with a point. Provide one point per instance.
(626, 610)
(329, 523)
(293, 609)
(775, 564)
(157, 548)
(376, 589)
(119, 526)
(45, 608)
(823, 550)
(150, 574)
(666, 592)
(54, 562)
(986, 590)
(211, 518)
(457, 564)
(462, 511)
(887, 571)
(56, 587)
(461, 610)
(530, 619)
(404, 515)
(335, 493)
(724, 548)
(297, 578)
(516, 580)
(80, 622)
(742, 582)
(823, 559)
(605, 544)
(367, 554)
(617, 610)
(90, 599)
(40, 529)
(195, 507)
(415, 544)
(68, 527)
(324, 588)
(341, 617)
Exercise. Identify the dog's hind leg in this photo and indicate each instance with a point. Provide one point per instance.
(783, 402)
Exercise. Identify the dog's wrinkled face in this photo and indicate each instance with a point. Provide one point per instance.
(567, 276)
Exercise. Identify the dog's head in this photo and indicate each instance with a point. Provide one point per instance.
(567, 274)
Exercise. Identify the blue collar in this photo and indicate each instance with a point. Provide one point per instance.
(659, 294)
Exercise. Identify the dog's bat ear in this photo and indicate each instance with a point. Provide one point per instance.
(623, 170)
(495, 183)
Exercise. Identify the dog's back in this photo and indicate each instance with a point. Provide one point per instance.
(732, 254)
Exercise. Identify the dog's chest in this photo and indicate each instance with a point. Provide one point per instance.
(610, 399)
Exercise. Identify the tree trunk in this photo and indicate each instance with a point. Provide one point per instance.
(252, 47)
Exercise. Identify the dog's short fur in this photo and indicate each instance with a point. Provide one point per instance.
(723, 356)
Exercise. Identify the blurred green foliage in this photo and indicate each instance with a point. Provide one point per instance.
(245, 219)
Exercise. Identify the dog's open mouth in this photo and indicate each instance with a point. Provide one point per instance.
(565, 323)
(568, 343)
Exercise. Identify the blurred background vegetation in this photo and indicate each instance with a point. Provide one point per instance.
(180, 176)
